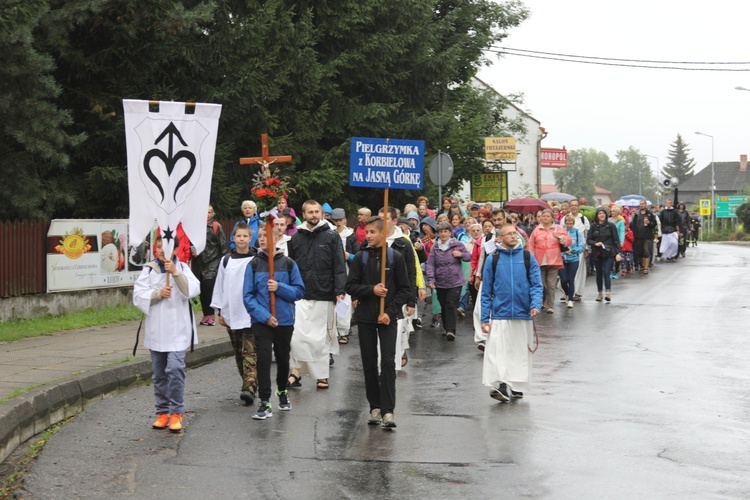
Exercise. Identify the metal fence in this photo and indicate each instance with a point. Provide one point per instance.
(23, 268)
(23, 258)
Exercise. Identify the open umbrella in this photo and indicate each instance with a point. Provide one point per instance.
(632, 197)
(525, 205)
(630, 202)
(557, 197)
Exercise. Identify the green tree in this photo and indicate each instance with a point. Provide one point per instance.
(680, 164)
(631, 174)
(579, 178)
(310, 73)
(743, 214)
(34, 148)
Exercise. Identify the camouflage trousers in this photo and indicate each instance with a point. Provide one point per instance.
(243, 343)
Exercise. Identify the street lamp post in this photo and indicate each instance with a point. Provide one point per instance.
(658, 174)
(713, 182)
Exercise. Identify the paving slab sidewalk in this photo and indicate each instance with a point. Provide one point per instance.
(52, 358)
(57, 376)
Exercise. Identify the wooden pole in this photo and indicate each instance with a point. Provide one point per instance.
(384, 256)
(271, 251)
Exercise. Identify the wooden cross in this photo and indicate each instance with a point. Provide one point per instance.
(265, 161)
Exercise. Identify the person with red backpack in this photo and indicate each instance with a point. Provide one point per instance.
(206, 265)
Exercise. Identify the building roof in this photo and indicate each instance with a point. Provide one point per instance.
(504, 99)
(552, 188)
(729, 179)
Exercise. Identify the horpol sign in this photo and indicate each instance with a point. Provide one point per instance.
(386, 163)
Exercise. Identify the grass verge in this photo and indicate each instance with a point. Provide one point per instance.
(19, 463)
(45, 325)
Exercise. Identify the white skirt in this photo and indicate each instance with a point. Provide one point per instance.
(314, 335)
(669, 245)
(507, 358)
(479, 335)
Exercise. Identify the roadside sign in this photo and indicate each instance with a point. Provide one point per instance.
(726, 206)
(705, 207)
(489, 187)
(554, 158)
(386, 163)
(500, 148)
(441, 169)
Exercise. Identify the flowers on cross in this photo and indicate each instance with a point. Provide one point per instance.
(268, 188)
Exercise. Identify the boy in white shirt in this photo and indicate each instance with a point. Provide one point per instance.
(227, 299)
(169, 331)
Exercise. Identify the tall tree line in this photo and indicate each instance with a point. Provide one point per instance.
(310, 73)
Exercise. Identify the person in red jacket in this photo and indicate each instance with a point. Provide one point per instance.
(627, 251)
(363, 214)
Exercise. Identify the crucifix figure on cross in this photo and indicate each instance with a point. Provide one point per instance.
(265, 160)
(268, 188)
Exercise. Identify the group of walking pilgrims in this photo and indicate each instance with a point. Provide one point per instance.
(500, 269)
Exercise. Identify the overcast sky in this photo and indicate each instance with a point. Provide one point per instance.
(612, 108)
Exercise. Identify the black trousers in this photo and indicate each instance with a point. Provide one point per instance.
(280, 339)
(207, 293)
(473, 292)
(380, 389)
(448, 298)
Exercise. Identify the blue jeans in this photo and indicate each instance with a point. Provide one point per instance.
(464, 302)
(603, 268)
(568, 278)
(169, 381)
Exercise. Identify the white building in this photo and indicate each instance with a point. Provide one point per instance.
(525, 174)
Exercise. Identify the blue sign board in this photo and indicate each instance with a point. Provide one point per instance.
(386, 163)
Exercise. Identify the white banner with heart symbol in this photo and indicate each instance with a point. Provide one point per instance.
(170, 166)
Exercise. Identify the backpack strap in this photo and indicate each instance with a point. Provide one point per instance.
(192, 327)
(389, 257)
(286, 260)
(137, 335)
(526, 263)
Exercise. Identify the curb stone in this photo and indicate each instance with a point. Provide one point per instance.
(27, 415)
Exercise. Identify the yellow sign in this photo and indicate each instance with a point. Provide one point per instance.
(705, 206)
(500, 148)
(489, 187)
(73, 244)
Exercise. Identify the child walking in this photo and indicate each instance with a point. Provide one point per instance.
(272, 332)
(366, 288)
(169, 331)
(228, 301)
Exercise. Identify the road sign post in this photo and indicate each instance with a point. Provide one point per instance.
(726, 206)
(441, 171)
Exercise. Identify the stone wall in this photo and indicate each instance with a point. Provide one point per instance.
(31, 306)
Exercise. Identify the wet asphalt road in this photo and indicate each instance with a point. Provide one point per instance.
(648, 397)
